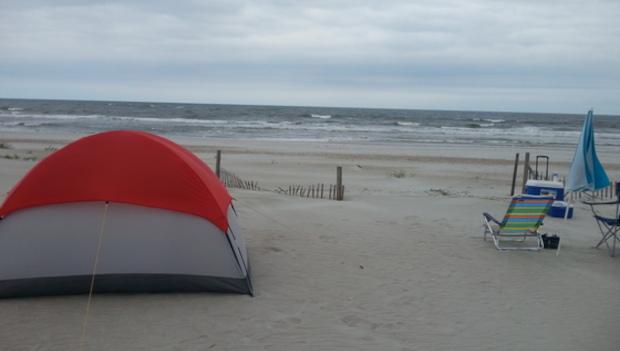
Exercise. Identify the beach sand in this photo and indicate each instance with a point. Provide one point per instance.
(399, 265)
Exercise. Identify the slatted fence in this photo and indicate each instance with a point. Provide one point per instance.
(314, 191)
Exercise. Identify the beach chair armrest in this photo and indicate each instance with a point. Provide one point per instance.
(490, 218)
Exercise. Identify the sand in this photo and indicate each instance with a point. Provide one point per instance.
(399, 265)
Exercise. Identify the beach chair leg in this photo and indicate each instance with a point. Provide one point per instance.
(611, 233)
(540, 242)
(487, 228)
(485, 233)
(496, 242)
(605, 231)
(606, 237)
(498, 245)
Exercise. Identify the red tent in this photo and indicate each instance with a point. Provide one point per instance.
(141, 179)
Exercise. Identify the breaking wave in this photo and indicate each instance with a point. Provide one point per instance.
(321, 116)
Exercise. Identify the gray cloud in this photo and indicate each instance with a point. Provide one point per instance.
(506, 55)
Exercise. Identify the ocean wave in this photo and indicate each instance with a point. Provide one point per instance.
(49, 116)
(119, 118)
(407, 124)
(320, 127)
(14, 109)
(490, 120)
(320, 116)
(192, 121)
(21, 124)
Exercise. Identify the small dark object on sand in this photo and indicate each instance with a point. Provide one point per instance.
(551, 241)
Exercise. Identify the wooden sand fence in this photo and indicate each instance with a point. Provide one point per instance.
(231, 180)
(317, 191)
(608, 193)
(314, 191)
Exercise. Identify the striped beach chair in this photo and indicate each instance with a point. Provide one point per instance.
(522, 220)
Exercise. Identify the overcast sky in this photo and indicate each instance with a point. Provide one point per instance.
(521, 55)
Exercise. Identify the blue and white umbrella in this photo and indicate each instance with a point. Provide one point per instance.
(586, 171)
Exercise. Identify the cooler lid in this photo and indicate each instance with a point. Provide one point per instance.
(544, 184)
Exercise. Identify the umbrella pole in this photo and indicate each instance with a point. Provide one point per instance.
(567, 207)
(568, 204)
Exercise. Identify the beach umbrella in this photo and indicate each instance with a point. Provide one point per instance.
(586, 171)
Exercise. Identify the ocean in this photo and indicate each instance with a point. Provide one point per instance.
(304, 123)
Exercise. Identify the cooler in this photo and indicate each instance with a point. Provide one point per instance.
(545, 187)
(558, 209)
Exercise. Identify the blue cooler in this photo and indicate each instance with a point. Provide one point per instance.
(545, 187)
(558, 209)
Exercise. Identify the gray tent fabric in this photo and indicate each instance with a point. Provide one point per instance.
(49, 250)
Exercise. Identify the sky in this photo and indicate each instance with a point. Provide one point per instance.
(520, 55)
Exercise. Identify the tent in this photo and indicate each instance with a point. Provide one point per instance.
(120, 211)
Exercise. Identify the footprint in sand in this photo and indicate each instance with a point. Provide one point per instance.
(355, 321)
(328, 239)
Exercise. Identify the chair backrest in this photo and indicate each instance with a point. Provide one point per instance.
(526, 213)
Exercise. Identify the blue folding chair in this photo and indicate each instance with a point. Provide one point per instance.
(609, 226)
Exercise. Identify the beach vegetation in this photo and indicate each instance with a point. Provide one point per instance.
(17, 157)
(398, 174)
(439, 191)
(11, 156)
(5, 146)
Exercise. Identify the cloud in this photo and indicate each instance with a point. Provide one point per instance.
(444, 53)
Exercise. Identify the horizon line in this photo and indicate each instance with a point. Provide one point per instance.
(315, 106)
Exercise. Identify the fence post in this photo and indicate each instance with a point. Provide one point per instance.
(514, 175)
(218, 159)
(339, 183)
(526, 169)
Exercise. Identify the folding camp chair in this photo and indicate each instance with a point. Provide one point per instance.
(609, 226)
(522, 220)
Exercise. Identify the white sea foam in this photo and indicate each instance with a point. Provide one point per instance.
(320, 116)
(49, 116)
(492, 120)
(193, 121)
(123, 118)
(407, 124)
